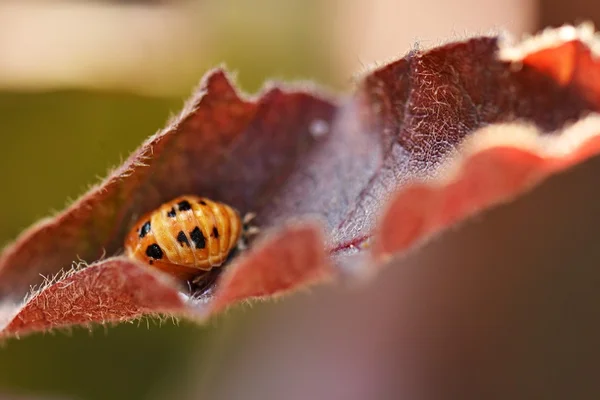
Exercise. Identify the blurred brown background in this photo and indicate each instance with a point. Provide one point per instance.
(83, 82)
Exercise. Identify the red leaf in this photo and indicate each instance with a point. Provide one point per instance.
(292, 153)
(288, 261)
(205, 150)
(118, 289)
(112, 290)
(422, 106)
(220, 146)
(565, 56)
(501, 162)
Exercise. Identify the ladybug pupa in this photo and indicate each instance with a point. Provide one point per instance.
(188, 236)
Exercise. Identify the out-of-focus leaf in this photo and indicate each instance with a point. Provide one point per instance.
(503, 306)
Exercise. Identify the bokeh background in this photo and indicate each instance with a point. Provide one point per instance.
(82, 83)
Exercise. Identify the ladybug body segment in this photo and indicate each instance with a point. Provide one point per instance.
(185, 237)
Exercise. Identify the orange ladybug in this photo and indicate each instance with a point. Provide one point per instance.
(187, 236)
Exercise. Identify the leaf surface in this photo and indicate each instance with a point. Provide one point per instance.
(432, 138)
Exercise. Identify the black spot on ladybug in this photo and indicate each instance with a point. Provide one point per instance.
(154, 251)
(198, 238)
(202, 202)
(172, 213)
(145, 229)
(215, 232)
(182, 239)
(184, 205)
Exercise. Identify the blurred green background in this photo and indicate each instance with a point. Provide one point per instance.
(83, 83)
(124, 362)
(55, 144)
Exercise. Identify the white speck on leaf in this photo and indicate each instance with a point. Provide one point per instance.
(318, 128)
